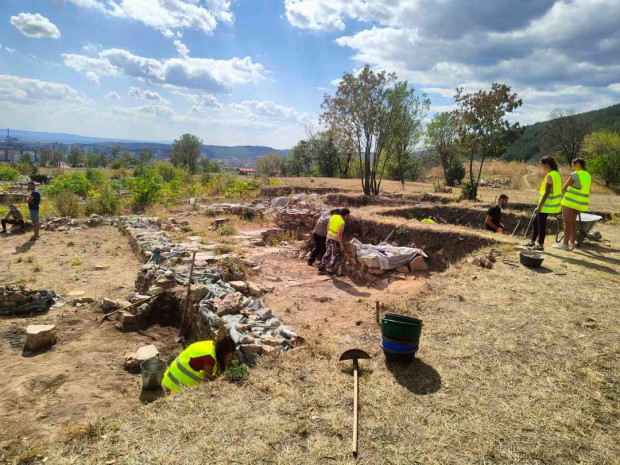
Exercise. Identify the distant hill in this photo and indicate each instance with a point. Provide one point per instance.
(530, 146)
(250, 152)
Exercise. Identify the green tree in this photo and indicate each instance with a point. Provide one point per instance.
(269, 164)
(406, 132)
(299, 161)
(57, 158)
(364, 109)
(324, 153)
(483, 128)
(25, 158)
(208, 166)
(115, 150)
(145, 156)
(127, 158)
(75, 157)
(441, 137)
(602, 150)
(186, 152)
(45, 156)
(565, 132)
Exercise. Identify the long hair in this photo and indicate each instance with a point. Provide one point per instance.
(549, 161)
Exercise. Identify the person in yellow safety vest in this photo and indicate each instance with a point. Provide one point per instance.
(197, 363)
(334, 245)
(575, 200)
(549, 197)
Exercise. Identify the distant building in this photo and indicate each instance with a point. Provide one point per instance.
(245, 171)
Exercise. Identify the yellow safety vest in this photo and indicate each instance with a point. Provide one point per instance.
(179, 373)
(578, 199)
(334, 225)
(552, 202)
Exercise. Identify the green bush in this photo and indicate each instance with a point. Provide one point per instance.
(236, 372)
(469, 191)
(95, 176)
(8, 173)
(77, 183)
(455, 173)
(226, 229)
(166, 170)
(146, 190)
(103, 201)
(66, 203)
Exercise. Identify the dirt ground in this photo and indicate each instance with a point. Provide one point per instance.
(82, 376)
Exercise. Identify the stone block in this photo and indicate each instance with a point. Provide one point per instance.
(231, 304)
(156, 290)
(107, 305)
(264, 314)
(254, 290)
(198, 292)
(39, 337)
(126, 320)
(240, 286)
(418, 264)
(133, 361)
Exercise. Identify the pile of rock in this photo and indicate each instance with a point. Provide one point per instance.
(172, 224)
(294, 219)
(217, 309)
(487, 260)
(12, 197)
(65, 223)
(15, 296)
(146, 239)
(495, 183)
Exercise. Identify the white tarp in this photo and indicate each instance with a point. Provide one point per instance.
(385, 256)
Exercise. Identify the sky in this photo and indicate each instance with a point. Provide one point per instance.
(244, 72)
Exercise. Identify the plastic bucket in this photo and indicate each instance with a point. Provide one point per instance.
(401, 327)
(153, 371)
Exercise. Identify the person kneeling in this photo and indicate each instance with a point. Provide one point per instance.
(197, 363)
(494, 216)
(14, 216)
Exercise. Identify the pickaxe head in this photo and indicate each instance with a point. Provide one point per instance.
(355, 355)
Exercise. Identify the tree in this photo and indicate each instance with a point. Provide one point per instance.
(565, 132)
(442, 136)
(209, 166)
(127, 158)
(57, 157)
(483, 128)
(75, 157)
(114, 151)
(410, 111)
(186, 152)
(269, 164)
(25, 158)
(602, 150)
(45, 156)
(364, 109)
(300, 159)
(145, 156)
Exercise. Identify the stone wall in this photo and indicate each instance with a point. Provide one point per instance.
(7, 198)
(15, 296)
(292, 219)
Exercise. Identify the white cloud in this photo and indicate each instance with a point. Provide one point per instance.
(10, 50)
(447, 93)
(201, 101)
(206, 74)
(28, 90)
(147, 95)
(35, 26)
(166, 15)
(266, 109)
(112, 96)
(149, 111)
(182, 49)
(91, 47)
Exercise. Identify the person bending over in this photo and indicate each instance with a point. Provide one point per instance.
(334, 245)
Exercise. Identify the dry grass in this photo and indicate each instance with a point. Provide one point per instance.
(515, 366)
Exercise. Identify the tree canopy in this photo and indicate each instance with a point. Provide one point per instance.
(186, 151)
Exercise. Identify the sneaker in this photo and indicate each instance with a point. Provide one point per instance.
(561, 246)
(571, 246)
(529, 244)
(309, 263)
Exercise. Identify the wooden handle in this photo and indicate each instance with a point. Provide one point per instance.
(377, 311)
(355, 395)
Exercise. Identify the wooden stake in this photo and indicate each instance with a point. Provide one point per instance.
(189, 288)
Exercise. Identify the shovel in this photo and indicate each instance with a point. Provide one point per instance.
(355, 355)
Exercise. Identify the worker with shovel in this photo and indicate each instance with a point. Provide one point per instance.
(197, 363)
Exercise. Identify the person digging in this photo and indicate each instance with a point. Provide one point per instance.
(335, 242)
(198, 363)
(494, 216)
(14, 216)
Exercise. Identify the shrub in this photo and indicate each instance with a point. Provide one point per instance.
(66, 203)
(226, 229)
(8, 173)
(103, 201)
(95, 176)
(236, 372)
(27, 168)
(455, 173)
(77, 183)
(468, 191)
(145, 190)
(166, 170)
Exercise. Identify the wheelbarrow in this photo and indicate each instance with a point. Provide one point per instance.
(585, 223)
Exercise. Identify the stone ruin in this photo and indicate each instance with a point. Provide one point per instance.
(65, 223)
(15, 296)
(217, 308)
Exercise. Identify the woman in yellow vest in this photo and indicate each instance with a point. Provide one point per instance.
(334, 245)
(576, 191)
(197, 363)
(549, 197)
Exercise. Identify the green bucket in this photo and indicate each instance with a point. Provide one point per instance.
(400, 327)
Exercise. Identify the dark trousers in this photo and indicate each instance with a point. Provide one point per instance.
(319, 248)
(540, 228)
(5, 222)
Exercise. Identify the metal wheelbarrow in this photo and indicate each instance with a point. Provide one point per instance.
(585, 223)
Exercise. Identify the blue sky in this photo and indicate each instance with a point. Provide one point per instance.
(254, 71)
